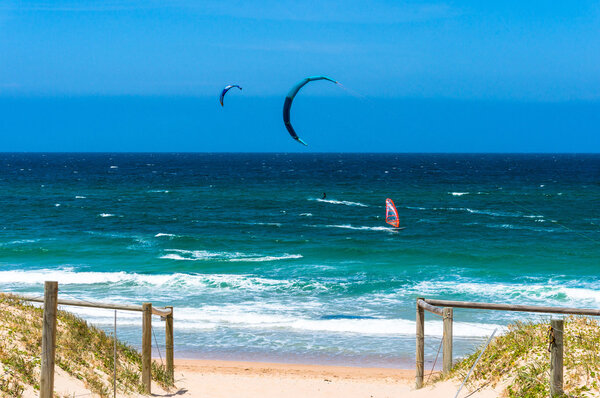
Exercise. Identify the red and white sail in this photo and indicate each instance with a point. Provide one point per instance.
(391, 214)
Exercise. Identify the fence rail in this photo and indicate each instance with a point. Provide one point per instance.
(444, 308)
(51, 300)
(110, 306)
(513, 307)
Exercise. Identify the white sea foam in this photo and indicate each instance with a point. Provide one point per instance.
(282, 318)
(270, 224)
(278, 317)
(162, 234)
(524, 227)
(19, 242)
(106, 215)
(558, 294)
(268, 258)
(306, 214)
(363, 228)
(393, 327)
(458, 193)
(159, 191)
(114, 167)
(341, 202)
(195, 255)
(477, 211)
(198, 255)
(80, 197)
(184, 281)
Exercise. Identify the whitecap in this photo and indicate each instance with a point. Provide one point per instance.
(458, 193)
(341, 202)
(362, 228)
(556, 294)
(200, 255)
(268, 258)
(106, 215)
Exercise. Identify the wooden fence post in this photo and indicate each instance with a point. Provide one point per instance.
(48, 339)
(556, 357)
(420, 346)
(169, 346)
(447, 340)
(147, 347)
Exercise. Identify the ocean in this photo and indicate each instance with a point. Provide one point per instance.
(259, 267)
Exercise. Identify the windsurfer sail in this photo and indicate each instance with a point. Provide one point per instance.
(391, 214)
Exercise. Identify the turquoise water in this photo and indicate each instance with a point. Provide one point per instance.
(259, 267)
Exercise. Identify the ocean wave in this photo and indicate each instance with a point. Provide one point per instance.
(160, 234)
(477, 211)
(269, 224)
(305, 214)
(268, 258)
(247, 317)
(194, 281)
(458, 193)
(523, 227)
(106, 215)
(340, 202)
(197, 255)
(241, 316)
(19, 242)
(80, 197)
(158, 191)
(363, 228)
(277, 318)
(557, 294)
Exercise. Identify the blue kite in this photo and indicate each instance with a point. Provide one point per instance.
(288, 103)
(225, 90)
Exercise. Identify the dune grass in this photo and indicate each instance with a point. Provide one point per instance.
(519, 360)
(82, 350)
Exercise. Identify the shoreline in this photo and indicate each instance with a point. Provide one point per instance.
(300, 359)
(292, 369)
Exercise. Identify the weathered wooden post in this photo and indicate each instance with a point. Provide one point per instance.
(169, 345)
(48, 339)
(147, 347)
(556, 357)
(420, 345)
(447, 340)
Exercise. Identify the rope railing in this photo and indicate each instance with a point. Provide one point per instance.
(83, 303)
(444, 309)
(51, 301)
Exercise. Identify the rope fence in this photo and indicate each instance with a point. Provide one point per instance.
(51, 302)
(555, 334)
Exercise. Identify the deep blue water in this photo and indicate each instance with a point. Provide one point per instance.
(259, 267)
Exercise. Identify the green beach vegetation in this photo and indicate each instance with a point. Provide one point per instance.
(82, 351)
(519, 361)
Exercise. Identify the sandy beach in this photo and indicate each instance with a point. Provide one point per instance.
(211, 378)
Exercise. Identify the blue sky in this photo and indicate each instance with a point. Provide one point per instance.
(542, 58)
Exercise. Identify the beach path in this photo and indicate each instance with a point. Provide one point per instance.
(216, 379)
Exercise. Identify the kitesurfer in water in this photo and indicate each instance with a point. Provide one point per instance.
(324, 195)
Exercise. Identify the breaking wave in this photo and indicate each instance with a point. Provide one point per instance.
(341, 202)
